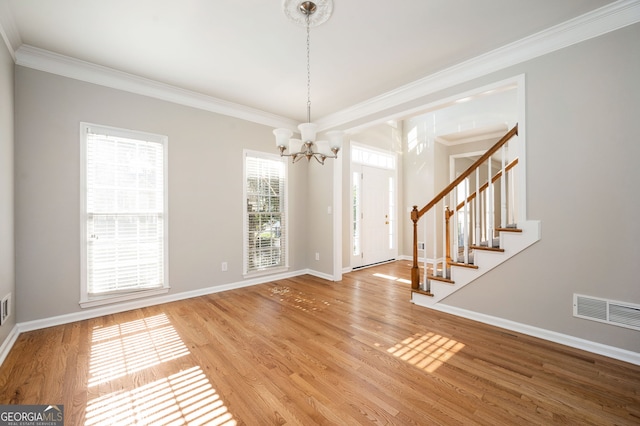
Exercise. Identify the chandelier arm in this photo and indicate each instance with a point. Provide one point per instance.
(319, 158)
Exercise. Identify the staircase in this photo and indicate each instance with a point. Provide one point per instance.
(484, 229)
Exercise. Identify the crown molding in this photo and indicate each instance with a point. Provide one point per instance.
(601, 21)
(8, 29)
(593, 24)
(44, 60)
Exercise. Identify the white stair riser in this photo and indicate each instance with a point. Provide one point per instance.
(512, 243)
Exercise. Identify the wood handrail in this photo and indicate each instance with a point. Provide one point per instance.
(417, 214)
(486, 184)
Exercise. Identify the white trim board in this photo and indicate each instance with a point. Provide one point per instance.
(590, 25)
(598, 22)
(552, 336)
(151, 301)
(86, 314)
(44, 60)
(8, 30)
(8, 343)
(574, 342)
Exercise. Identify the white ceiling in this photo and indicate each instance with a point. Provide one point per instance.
(248, 53)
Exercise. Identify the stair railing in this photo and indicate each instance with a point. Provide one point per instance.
(473, 219)
(471, 205)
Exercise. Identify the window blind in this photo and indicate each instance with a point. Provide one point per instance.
(125, 202)
(265, 221)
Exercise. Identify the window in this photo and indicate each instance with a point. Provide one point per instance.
(392, 213)
(124, 208)
(372, 157)
(356, 205)
(265, 225)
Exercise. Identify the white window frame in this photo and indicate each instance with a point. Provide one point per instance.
(284, 219)
(87, 300)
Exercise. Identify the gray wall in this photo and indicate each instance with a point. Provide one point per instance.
(582, 129)
(205, 188)
(582, 173)
(318, 227)
(582, 136)
(7, 272)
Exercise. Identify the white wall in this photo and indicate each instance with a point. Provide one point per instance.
(7, 272)
(205, 188)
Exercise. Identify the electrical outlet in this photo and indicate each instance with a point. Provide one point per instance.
(224, 267)
(317, 256)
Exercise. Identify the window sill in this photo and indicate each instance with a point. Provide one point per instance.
(117, 298)
(265, 272)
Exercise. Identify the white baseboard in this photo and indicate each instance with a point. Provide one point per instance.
(151, 301)
(552, 336)
(142, 303)
(589, 346)
(9, 342)
(322, 275)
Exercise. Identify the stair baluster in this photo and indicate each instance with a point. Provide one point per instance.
(478, 215)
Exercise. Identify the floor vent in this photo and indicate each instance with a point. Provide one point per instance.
(608, 311)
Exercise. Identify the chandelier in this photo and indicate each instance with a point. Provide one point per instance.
(307, 146)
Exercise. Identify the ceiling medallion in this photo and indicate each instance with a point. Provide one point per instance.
(323, 10)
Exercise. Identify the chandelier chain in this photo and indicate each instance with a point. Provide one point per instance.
(308, 69)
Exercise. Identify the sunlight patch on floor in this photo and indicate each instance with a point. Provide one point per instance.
(298, 299)
(185, 398)
(125, 348)
(427, 352)
(391, 277)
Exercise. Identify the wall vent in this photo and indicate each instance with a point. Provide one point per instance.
(608, 311)
(5, 308)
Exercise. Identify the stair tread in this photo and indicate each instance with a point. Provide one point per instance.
(464, 265)
(509, 229)
(443, 279)
(497, 249)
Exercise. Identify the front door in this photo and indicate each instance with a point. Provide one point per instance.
(374, 227)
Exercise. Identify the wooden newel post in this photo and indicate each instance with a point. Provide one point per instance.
(415, 271)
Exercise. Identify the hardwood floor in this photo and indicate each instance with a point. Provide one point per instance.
(305, 351)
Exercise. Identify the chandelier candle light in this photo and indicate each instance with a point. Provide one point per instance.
(307, 146)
